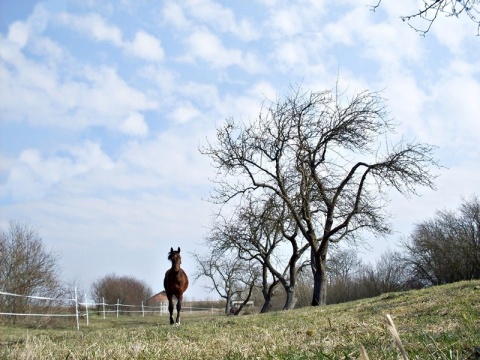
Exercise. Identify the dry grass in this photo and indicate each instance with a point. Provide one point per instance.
(437, 323)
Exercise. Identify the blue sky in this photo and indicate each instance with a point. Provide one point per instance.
(104, 105)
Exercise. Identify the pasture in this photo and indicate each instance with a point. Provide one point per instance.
(437, 323)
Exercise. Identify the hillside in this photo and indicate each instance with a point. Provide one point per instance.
(436, 323)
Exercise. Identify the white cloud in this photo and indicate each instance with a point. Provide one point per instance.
(264, 90)
(32, 175)
(204, 45)
(205, 95)
(173, 14)
(291, 54)
(443, 113)
(135, 125)
(454, 32)
(388, 45)
(286, 23)
(143, 45)
(210, 14)
(455, 107)
(208, 47)
(18, 34)
(146, 46)
(184, 113)
(110, 97)
(35, 92)
(94, 26)
(403, 89)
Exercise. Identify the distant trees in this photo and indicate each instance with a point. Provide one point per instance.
(351, 279)
(440, 250)
(446, 248)
(431, 9)
(388, 274)
(125, 289)
(322, 158)
(26, 267)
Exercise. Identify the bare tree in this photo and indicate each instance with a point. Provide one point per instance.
(26, 267)
(249, 281)
(124, 289)
(343, 265)
(391, 274)
(431, 9)
(388, 274)
(228, 275)
(320, 155)
(446, 248)
(343, 270)
(260, 232)
(234, 233)
(350, 279)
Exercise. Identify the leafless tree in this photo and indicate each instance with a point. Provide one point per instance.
(389, 274)
(124, 289)
(446, 248)
(343, 264)
(343, 272)
(26, 267)
(350, 279)
(431, 9)
(228, 275)
(249, 283)
(261, 232)
(320, 154)
(232, 235)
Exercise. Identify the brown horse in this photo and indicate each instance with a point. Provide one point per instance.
(175, 283)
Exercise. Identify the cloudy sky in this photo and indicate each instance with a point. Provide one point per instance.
(104, 105)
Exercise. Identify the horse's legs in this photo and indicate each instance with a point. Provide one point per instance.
(179, 307)
(170, 308)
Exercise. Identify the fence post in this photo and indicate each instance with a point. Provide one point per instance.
(118, 306)
(103, 306)
(76, 309)
(86, 307)
(143, 310)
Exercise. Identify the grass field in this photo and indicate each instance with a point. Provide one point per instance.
(437, 323)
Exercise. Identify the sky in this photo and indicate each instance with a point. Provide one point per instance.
(105, 104)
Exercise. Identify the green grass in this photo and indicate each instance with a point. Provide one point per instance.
(437, 323)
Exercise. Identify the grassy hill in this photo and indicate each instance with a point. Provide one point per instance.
(437, 323)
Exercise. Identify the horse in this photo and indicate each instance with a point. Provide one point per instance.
(175, 283)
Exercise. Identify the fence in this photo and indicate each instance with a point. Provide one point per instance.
(73, 308)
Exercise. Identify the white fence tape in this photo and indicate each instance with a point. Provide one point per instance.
(102, 308)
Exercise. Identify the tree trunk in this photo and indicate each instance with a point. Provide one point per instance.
(267, 305)
(319, 287)
(320, 278)
(252, 285)
(291, 299)
(227, 303)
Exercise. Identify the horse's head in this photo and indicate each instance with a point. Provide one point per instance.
(175, 258)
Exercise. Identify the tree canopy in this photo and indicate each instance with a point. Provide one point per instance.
(326, 158)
